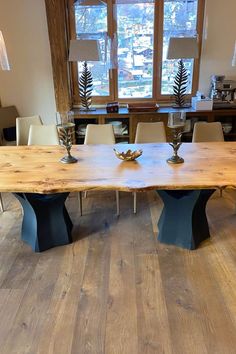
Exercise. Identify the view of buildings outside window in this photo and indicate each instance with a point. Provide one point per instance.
(135, 34)
(133, 44)
(180, 20)
(91, 22)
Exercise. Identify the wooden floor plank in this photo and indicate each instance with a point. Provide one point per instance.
(26, 330)
(121, 321)
(213, 314)
(116, 289)
(153, 326)
(10, 244)
(10, 301)
(185, 331)
(89, 329)
(58, 329)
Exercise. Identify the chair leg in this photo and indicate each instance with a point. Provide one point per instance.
(117, 203)
(135, 202)
(1, 203)
(80, 203)
(221, 192)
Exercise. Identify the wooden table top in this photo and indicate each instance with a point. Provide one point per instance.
(38, 169)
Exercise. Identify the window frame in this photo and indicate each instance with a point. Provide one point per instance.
(157, 56)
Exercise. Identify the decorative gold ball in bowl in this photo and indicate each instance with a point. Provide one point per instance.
(128, 155)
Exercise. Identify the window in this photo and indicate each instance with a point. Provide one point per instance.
(180, 20)
(134, 37)
(135, 40)
(91, 23)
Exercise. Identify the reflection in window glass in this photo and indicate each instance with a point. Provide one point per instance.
(91, 23)
(135, 27)
(180, 20)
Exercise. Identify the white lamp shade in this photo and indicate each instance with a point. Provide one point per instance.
(4, 64)
(182, 48)
(84, 50)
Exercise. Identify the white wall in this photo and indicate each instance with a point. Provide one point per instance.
(29, 84)
(218, 41)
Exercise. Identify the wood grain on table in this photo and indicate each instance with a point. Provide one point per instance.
(39, 170)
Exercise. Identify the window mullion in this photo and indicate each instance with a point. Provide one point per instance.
(200, 19)
(112, 28)
(157, 50)
(73, 65)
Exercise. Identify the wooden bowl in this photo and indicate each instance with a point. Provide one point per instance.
(128, 155)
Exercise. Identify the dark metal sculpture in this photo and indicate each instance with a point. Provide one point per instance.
(176, 145)
(66, 140)
(86, 87)
(180, 85)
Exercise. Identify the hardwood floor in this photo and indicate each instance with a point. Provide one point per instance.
(117, 290)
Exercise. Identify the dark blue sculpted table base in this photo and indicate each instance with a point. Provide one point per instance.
(183, 221)
(46, 222)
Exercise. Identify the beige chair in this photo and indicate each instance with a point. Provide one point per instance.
(43, 135)
(149, 133)
(207, 132)
(22, 128)
(101, 134)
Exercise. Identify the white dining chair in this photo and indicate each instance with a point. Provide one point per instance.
(43, 135)
(22, 128)
(101, 134)
(207, 132)
(149, 133)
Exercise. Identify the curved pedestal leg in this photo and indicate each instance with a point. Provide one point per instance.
(183, 221)
(46, 222)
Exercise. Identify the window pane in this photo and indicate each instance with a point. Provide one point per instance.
(91, 23)
(135, 27)
(180, 20)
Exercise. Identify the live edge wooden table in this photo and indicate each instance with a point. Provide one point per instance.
(42, 183)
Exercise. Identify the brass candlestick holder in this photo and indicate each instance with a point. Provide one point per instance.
(66, 139)
(176, 122)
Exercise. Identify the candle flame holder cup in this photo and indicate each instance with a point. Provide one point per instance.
(176, 122)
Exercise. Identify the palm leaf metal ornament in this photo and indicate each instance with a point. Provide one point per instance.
(86, 87)
(66, 140)
(180, 85)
